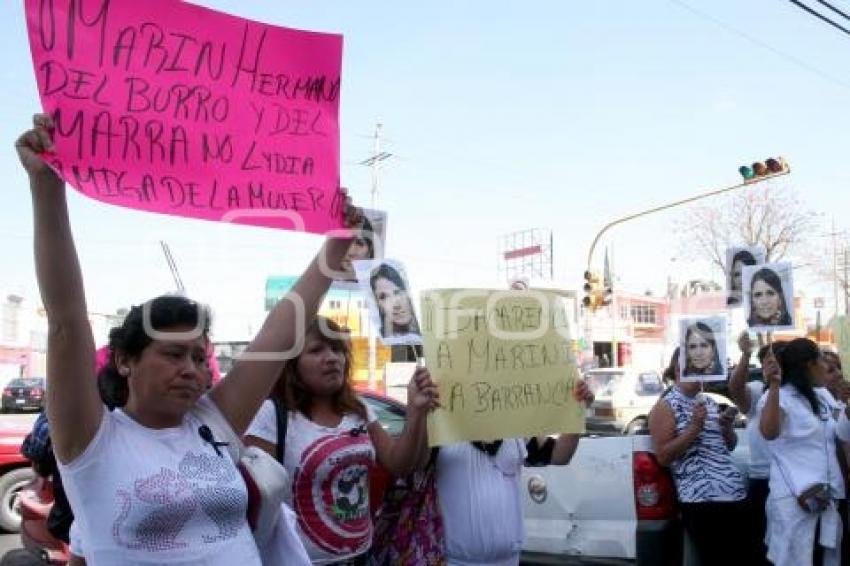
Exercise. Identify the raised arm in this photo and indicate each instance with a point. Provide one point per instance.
(770, 424)
(409, 450)
(74, 408)
(738, 390)
(249, 382)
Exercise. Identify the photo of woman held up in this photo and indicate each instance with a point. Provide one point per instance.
(368, 244)
(769, 297)
(736, 260)
(385, 286)
(702, 349)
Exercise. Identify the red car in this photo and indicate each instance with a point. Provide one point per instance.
(15, 473)
(35, 503)
(36, 499)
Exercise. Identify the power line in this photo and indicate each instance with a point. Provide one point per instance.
(820, 16)
(754, 40)
(833, 8)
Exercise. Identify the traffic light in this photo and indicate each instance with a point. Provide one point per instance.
(596, 294)
(757, 171)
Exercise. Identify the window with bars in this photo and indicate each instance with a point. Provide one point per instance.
(643, 314)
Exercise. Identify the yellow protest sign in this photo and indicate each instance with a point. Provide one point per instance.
(841, 333)
(503, 362)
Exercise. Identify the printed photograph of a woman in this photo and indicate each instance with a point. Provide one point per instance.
(390, 304)
(369, 244)
(736, 260)
(768, 294)
(702, 349)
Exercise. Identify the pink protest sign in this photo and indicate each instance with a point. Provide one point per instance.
(168, 107)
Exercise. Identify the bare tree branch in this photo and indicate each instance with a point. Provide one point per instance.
(768, 216)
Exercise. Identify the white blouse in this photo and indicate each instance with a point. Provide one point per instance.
(804, 452)
(481, 504)
(759, 452)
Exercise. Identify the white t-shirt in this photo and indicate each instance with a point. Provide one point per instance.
(842, 429)
(835, 406)
(759, 452)
(481, 504)
(330, 486)
(75, 540)
(158, 496)
(804, 452)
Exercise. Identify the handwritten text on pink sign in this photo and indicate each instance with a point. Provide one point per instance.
(163, 106)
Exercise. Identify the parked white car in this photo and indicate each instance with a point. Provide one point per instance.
(624, 397)
(613, 505)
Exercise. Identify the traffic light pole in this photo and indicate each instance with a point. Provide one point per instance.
(674, 204)
(614, 315)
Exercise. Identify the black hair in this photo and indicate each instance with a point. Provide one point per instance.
(705, 332)
(795, 358)
(777, 350)
(388, 272)
(741, 256)
(370, 239)
(164, 313)
(772, 279)
(669, 373)
(745, 257)
(833, 358)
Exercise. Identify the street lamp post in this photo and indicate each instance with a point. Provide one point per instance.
(374, 162)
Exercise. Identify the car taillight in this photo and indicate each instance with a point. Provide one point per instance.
(655, 496)
(37, 392)
(7, 392)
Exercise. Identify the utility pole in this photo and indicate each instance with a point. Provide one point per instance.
(834, 266)
(374, 163)
(846, 286)
(551, 256)
(837, 257)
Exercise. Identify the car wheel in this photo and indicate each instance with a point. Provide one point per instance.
(11, 484)
(637, 426)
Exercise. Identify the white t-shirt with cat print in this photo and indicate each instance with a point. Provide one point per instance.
(329, 467)
(146, 496)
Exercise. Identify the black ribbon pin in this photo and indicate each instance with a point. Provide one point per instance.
(207, 436)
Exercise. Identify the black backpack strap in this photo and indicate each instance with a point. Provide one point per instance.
(432, 457)
(282, 423)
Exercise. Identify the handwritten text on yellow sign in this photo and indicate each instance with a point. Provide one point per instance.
(503, 361)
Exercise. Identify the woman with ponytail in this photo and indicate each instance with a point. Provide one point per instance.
(805, 479)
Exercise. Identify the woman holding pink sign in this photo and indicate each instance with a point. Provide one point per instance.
(149, 482)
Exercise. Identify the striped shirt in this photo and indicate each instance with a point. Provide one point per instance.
(705, 471)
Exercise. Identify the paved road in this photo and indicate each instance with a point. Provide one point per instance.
(12, 552)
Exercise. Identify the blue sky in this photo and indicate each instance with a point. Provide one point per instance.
(503, 116)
